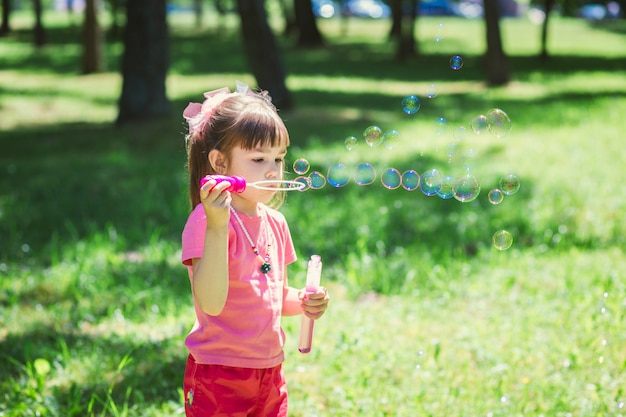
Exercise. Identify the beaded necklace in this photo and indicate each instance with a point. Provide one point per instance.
(265, 262)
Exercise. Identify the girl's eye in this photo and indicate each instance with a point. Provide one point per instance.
(257, 160)
(280, 161)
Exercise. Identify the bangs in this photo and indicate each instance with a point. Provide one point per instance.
(261, 129)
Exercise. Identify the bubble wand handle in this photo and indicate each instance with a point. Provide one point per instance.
(238, 184)
(313, 274)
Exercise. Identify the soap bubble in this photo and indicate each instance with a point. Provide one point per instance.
(431, 182)
(451, 150)
(479, 124)
(468, 159)
(301, 166)
(411, 104)
(410, 180)
(446, 190)
(317, 180)
(338, 175)
(373, 135)
(305, 181)
(432, 91)
(456, 62)
(466, 188)
(502, 240)
(460, 133)
(495, 196)
(499, 123)
(439, 32)
(365, 174)
(390, 138)
(509, 184)
(391, 178)
(350, 142)
(441, 126)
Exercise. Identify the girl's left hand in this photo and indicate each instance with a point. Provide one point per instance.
(315, 304)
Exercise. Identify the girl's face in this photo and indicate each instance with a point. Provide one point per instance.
(262, 163)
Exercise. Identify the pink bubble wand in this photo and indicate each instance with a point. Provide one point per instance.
(313, 275)
(238, 184)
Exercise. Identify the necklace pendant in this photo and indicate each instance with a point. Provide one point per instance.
(266, 267)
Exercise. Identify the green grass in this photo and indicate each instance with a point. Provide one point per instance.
(427, 318)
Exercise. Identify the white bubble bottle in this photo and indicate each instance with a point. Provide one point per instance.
(313, 274)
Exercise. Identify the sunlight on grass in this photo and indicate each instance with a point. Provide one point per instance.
(496, 338)
(52, 99)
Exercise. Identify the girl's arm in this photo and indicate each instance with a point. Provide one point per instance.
(210, 272)
(292, 302)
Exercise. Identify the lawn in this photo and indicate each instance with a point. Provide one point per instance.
(427, 318)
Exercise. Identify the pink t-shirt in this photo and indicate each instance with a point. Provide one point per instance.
(247, 333)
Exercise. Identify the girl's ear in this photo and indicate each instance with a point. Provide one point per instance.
(217, 160)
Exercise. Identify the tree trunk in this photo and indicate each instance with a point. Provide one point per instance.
(93, 60)
(262, 52)
(549, 4)
(407, 46)
(40, 35)
(145, 62)
(395, 32)
(5, 27)
(495, 61)
(308, 34)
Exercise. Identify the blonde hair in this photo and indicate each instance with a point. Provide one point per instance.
(244, 120)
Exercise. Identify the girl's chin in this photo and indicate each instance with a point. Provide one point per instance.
(268, 196)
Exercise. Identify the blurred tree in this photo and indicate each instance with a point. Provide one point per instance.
(93, 58)
(548, 6)
(309, 35)
(404, 14)
(495, 60)
(145, 62)
(396, 19)
(5, 27)
(39, 32)
(262, 52)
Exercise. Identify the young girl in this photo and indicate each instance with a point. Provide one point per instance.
(236, 249)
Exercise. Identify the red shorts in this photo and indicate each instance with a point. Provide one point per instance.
(216, 390)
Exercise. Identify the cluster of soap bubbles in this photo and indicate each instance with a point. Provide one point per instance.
(496, 121)
(464, 188)
(431, 182)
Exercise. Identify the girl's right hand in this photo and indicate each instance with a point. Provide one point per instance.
(216, 202)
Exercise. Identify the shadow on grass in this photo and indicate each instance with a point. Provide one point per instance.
(106, 331)
(127, 373)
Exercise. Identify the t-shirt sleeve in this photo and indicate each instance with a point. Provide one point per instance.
(290, 250)
(193, 236)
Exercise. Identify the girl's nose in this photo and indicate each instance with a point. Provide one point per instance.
(273, 171)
